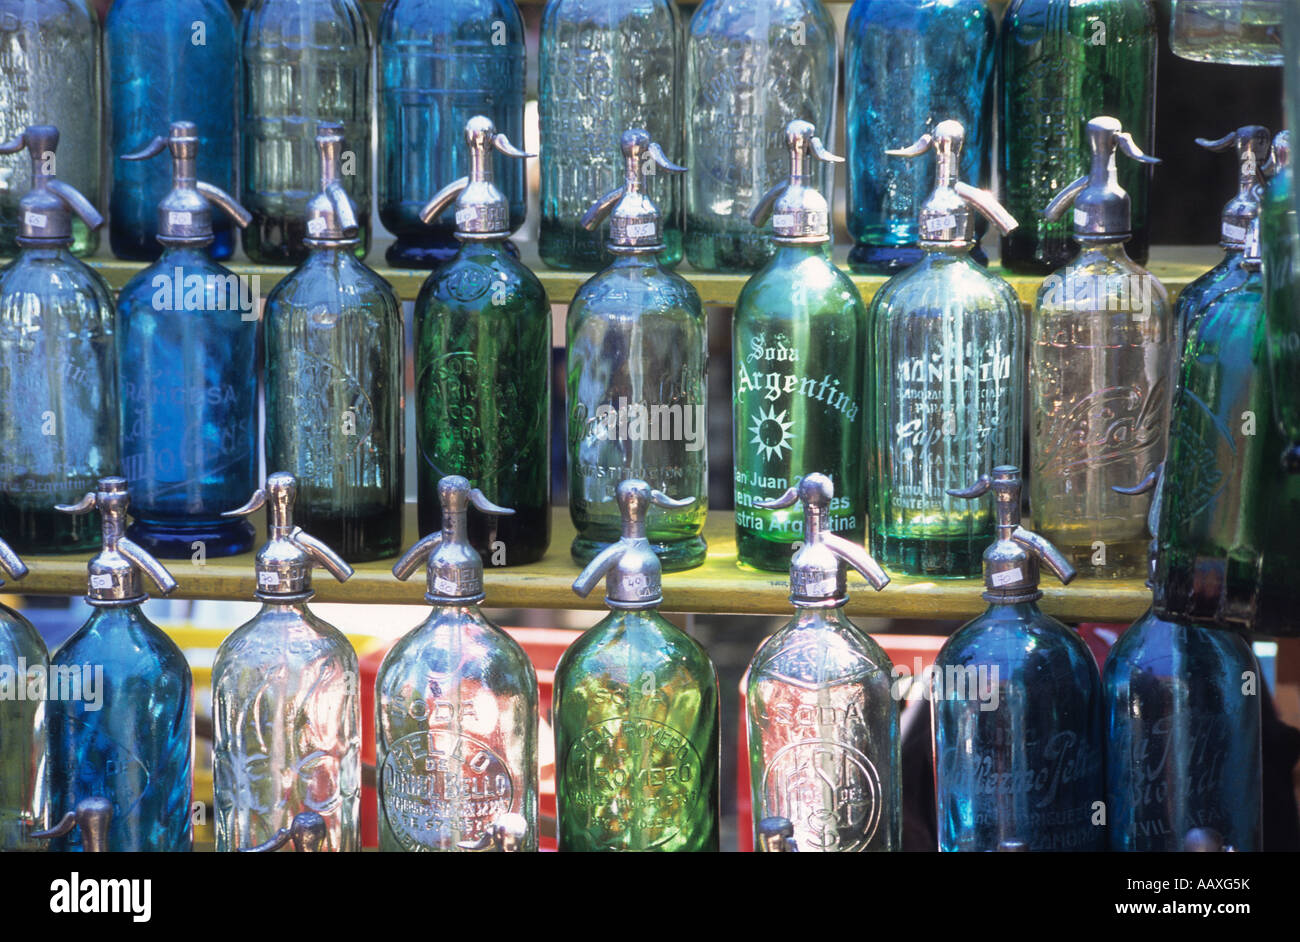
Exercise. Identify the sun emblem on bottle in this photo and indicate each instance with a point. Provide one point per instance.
(771, 433)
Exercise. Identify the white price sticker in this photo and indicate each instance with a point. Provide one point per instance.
(268, 578)
(443, 586)
(466, 216)
(180, 219)
(820, 587)
(939, 223)
(783, 221)
(641, 230)
(104, 581)
(1008, 577)
(315, 226)
(36, 220)
(1080, 217)
(1233, 233)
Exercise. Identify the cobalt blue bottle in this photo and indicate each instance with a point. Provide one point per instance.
(187, 348)
(167, 60)
(122, 731)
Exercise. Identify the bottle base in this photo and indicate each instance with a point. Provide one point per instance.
(48, 532)
(932, 557)
(362, 535)
(673, 556)
(754, 552)
(180, 541)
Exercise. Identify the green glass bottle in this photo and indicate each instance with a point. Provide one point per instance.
(635, 711)
(1281, 246)
(798, 343)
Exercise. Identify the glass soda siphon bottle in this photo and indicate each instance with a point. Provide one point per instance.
(165, 60)
(905, 60)
(637, 388)
(1182, 717)
(335, 379)
(1281, 267)
(187, 348)
(1062, 60)
(286, 710)
(125, 736)
(635, 710)
(1101, 360)
(483, 367)
(1016, 701)
(58, 365)
(798, 342)
(50, 76)
(945, 364)
(441, 64)
(751, 69)
(24, 679)
(304, 61)
(604, 65)
(455, 704)
(823, 721)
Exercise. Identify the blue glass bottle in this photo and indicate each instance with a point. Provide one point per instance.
(124, 730)
(23, 779)
(167, 61)
(904, 62)
(187, 345)
(1017, 707)
(440, 63)
(58, 365)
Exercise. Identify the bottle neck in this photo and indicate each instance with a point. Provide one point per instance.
(789, 253)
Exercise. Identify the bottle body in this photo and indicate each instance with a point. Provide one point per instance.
(1183, 736)
(303, 61)
(483, 397)
(1234, 33)
(165, 62)
(1016, 701)
(128, 735)
(58, 398)
(798, 337)
(335, 392)
(50, 74)
(907, 65)
(1101, 363)
(1063, 62)
(750, 70)
(823, 735)
(946, 360)
(189, 417)
(636, 694)
(455, 686)
(637, 392)
(23, 777)
(1193, 300)
(439, 65)
(605, 66)
(286, 730)
(1281, 245)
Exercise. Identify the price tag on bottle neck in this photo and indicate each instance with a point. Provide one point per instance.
(1009, 577)
(268, 579)
(180, 219)
(36, 220)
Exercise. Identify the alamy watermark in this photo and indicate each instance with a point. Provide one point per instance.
(178, 291)
(63, 682)
(977, 682)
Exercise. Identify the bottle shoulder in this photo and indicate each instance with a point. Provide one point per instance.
(944, 287)
(20, 639)
(817, 652)
(639, 288)
(486, 280)
(45, 277)
(646, 638)
(1168, 647)
(282, 637)
(814, 284)
(127, 638)
(451, 641)
(1013, 639)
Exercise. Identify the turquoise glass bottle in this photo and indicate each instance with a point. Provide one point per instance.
(635, 711)
(1281, 267)
(798, 341)
(58, 365)
(24, 676)
(335, 379)
(945, 368)
(483, 367)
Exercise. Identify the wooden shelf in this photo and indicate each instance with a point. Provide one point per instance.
(718, 586)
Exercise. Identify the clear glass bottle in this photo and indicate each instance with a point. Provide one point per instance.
(335, 380)
(125, 733)
(456, 719)
(1281, 267)
(1062, 61)
(944, 374)
(904, 61)
(819, 702)
(798, 339)
(24, 665)
(441, 62)
(304, 61)
(286, 708)
(167, 61)
(50, 75)
(187, 349)
(1235, 32)
(635, 710)
(1101, 372)
(1016, 702)
(637, 387)
(58, 365)
(605, 65)
(751, 69)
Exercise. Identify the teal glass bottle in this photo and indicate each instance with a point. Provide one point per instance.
(58, 365)
(798, 343)
(944, 374)
(1062, 62)
(483, 367)
(605, 65)
(751, 69)
(456, 719)
(24, 673)
(637, 392)
(1281, 267)
(335, 379)
(635, 711)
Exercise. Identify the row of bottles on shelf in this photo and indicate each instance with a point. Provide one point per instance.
(1033, 749)
(720, 92)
